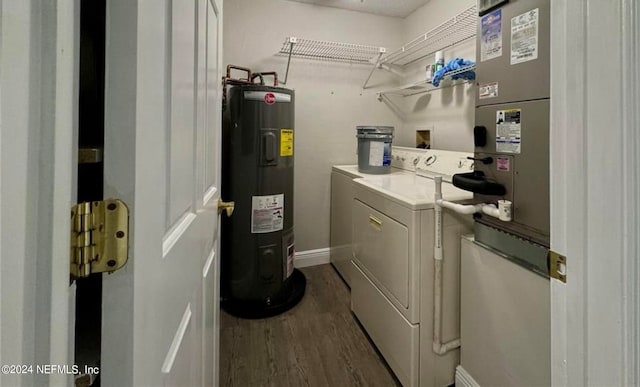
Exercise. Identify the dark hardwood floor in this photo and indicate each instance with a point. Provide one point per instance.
(317, 343)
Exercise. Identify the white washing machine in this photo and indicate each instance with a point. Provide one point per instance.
(392, 288)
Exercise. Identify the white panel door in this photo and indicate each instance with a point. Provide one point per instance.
(162, 128)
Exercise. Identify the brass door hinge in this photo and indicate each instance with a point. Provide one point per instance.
(557, 266)
(90, 155)
(227, 207)
(99, 237)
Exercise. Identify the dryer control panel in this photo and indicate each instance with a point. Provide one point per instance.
(406, 158)
(444, 163)
(431, 162)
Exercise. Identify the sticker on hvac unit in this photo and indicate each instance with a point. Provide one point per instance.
(267, 213)
(524, 37)
(488, 90)
(491, 40)
(508, 131)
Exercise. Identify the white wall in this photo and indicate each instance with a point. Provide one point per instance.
(329, 100)
(449, 111)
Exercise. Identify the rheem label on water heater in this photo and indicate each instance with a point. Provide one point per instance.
(267, 213)
(269, 98)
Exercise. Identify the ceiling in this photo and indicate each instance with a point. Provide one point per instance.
(395, 8)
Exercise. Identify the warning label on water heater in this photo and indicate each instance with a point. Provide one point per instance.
(267, 213)
(286, 142)
(291, 252)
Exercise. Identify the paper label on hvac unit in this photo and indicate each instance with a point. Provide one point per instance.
(503, 164)
(488, 90)
(379, 153)
(491, 40)
(267, 213)
(508, 132)
(524, 37)
(286, 142)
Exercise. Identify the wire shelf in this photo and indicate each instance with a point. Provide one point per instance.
(426, 85)
(453, 31)
(329, 51)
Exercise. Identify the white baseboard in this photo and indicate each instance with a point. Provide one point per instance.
(312, 257)
(464, 379)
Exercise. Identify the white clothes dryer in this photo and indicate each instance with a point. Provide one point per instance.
(392, 288)
(403, 162)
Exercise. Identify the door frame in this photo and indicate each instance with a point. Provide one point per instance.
(593, 339)
(595, 183)
(39, 62)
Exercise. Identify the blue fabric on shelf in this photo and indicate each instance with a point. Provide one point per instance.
(454, 64)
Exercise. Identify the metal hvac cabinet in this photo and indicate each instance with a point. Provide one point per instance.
(504, 274)
(524, 174)
(528, 79)
(511, 132)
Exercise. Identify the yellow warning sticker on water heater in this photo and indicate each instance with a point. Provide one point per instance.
(286, 142)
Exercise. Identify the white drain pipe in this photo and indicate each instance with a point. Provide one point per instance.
(438, 346)
(503, 213)
(489, 209)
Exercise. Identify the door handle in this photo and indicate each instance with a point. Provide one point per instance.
(375, 222)
(228, 207)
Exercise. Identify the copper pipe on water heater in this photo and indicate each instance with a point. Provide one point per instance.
(249, 80)
(234, 67)
(227, 80)
(257, 75)
(262, 74)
